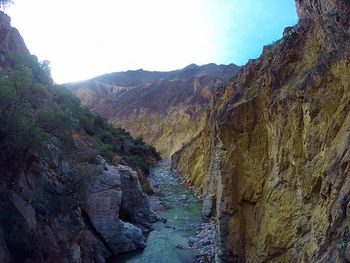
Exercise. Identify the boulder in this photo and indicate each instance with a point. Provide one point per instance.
(116, 192)
(135, 203)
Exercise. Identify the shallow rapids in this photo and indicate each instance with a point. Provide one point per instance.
(181, 213)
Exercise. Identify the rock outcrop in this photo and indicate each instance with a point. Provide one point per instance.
(50, 214)
(12, 43)
(117, 193)
(166, 108)
(274, 158)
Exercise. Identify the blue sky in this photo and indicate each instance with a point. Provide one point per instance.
(85, 38)
(252, 24)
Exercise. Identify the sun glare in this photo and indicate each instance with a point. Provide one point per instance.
(85, 38)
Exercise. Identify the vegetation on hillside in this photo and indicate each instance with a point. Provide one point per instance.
(35, 113)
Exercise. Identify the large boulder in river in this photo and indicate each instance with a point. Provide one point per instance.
(111, 197)
(135, 204)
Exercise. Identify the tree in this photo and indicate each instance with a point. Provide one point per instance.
(18, 131)
(57, 122)
(40, 70)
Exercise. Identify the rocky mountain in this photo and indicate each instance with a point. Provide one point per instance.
(273, 160)
(71, 186)
(167, 109)
(12, 42)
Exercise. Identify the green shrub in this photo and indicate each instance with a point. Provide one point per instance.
(79, 177)
(19, 131)
(34, 112)
(137, 161)
(105, 150)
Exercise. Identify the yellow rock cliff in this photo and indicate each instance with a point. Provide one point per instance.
(273, 159)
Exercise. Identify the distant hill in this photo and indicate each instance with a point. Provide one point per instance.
(166, 108)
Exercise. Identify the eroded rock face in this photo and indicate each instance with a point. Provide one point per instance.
(42, 220)
(275, 153)
(167, 109)
(11, 41)
(321, 9)
(117, 192)
(135, 205)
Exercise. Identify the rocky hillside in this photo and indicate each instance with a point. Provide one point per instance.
(273, 161)
(166, 108)
(71, 185)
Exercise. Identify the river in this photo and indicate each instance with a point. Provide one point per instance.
(169, 241)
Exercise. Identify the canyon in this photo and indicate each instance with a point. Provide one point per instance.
(266, 146)
(167, 109)
(271, 157)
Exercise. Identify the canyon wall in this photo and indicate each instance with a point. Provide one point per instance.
(60, 201)
(273, 161)
(167, 109)
(48, 214)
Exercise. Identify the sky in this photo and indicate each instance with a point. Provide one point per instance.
(86, 38)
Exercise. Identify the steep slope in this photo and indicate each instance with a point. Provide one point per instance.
(60, 201)
(166, 108)
(12, 42)
(274, 158)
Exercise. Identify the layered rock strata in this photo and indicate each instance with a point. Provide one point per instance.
(273, 161)
(166, 108)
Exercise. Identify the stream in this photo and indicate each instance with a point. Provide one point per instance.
(169, 241)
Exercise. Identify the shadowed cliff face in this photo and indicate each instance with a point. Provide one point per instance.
(11, 41)
(336, 10)
(273, 161)
(59, 200)
(167, 109)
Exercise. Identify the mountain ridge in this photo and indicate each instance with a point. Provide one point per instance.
(166, 108)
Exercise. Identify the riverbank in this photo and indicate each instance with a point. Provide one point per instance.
(180, 235)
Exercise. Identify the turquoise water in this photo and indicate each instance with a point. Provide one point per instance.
(182, 210)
